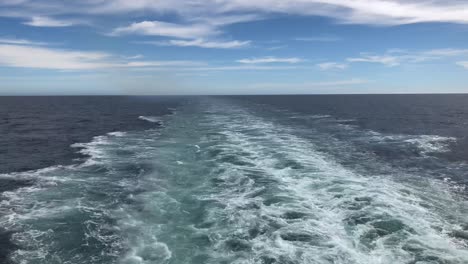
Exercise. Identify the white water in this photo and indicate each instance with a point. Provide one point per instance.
(224, 184)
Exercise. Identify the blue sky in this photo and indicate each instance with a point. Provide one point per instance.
(233, 46)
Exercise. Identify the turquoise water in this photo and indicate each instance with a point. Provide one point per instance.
(222, 182)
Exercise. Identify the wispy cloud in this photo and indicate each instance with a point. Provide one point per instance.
(159, 28)
(319, 39)
(201, 43)
(195, 32)
(463, 64)
(23, 56)
(395, 57)
(44, 58)
(277, 47)
(384, 59)
(449, 52)
(211, 44)
(15, 41)
(306, 85)
(134, 57)
(332, 66)
(388, 12)
(144, 64)
(41, 21)
(247, 67)
(270, 60)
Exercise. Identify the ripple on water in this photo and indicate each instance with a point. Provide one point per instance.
(253, 191)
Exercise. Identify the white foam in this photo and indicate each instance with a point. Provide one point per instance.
(308, 190)
(97, 148)
(152, 119)
(425, 143)
(198, 148)
(250, 164)
(117, 134)
(155, 252)
(58, 192)
(431, 143)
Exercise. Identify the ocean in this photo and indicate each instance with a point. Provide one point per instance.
(345, 179)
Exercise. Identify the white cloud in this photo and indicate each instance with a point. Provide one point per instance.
(463, 64)
(319, 39)
(332, 66)
(223, 12)
(243, 68)
(198, 32)
(390, 12)
(15, 41)
(445, 52)
(386, 12)
(270, 60)
(395, 57)
(39, 57)
(41, 21)
(143, 64)
(201, 43)
(306, 85)
(134, 57)
(277, 47)
(384, 59)
(210, 44)
(224, 19)
(158, 28)
(23, 56)
(44, 58)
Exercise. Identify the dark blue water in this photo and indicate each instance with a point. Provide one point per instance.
(245, 179)
(37, 131)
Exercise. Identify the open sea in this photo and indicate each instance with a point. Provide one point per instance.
(326, 179)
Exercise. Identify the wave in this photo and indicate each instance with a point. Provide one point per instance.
(431, 143)
(152, 119)
(425, 144)
(70, 213)
(56, 212)
(230, 186)
(117, 134)
(281, 200)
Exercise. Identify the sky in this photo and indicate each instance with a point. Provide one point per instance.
(173, 47)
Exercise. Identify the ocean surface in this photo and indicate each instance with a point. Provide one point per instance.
(343, 179)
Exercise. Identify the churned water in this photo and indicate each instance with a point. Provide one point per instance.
(245, 180)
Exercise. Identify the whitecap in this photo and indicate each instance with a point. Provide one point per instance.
(152, 119)
(117, 134)
(198, 148)
(426, 144)
(431, 143)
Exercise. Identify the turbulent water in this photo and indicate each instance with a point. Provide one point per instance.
(229, 181)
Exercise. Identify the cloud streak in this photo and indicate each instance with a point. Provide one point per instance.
(15, 41)
(332, 66)
(463, 64)
(318, 39)
(159, 28)
(22, 56)
(397, 57)
(379, 12)
(201, 43)
(40, 21)
(375, 12)
(307, 85)
(386, 60)
(265, 60)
